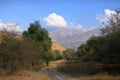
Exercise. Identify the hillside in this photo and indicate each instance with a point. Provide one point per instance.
(56, 46)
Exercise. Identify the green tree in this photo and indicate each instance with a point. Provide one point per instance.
(96, 45)
(40, 35)
(70, 54)
(106, 48)
(111, 34)
(57, 54)
(47, 57)
(82, 50)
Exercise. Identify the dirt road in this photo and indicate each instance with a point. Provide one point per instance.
(51, 70)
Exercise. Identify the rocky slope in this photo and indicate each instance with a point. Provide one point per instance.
(71, 37)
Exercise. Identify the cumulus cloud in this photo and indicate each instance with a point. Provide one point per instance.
(105, 16)
(76, 26)
(109, 12)
(101, 18)
(55, 20)
(10, 26)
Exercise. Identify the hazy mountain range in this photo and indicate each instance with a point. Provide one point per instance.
(72, 37)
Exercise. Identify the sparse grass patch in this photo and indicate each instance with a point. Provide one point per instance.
(26, 75)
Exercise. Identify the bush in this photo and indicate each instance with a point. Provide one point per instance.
(57, 55)
(17, 53)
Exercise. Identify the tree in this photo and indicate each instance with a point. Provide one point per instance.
(113, 24)
(96, 45)
(57, 54)
(111, 34)
(70, 54)
(82, 50)
(47, 57)
(17, 53)
(39, 34)
(104, 48)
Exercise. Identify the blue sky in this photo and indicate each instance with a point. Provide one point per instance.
(79, 12)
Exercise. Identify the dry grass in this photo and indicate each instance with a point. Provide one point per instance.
(27, 75)
(56, 46)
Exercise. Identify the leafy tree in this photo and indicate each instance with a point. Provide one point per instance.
(70, 54)
(57, 55)
(39, 34)
(47, 57)
(105, 48)
(111, 34)
(82, 50)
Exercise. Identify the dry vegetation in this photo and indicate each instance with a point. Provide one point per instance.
(27, 75)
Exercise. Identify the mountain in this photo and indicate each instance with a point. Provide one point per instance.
(73, 37)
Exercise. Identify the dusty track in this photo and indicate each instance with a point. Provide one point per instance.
(51, 70)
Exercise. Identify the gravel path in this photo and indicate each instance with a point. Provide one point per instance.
(52, 72)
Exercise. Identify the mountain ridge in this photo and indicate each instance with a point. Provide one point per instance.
(71, 37)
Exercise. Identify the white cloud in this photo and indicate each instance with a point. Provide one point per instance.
(10, 26)
(105, 16)
(109, 12)
(101, 18)
(72, 25)
(55, 20)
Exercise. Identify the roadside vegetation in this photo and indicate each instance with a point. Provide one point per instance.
(28, 51)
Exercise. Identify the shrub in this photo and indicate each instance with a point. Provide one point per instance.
(16, 54)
